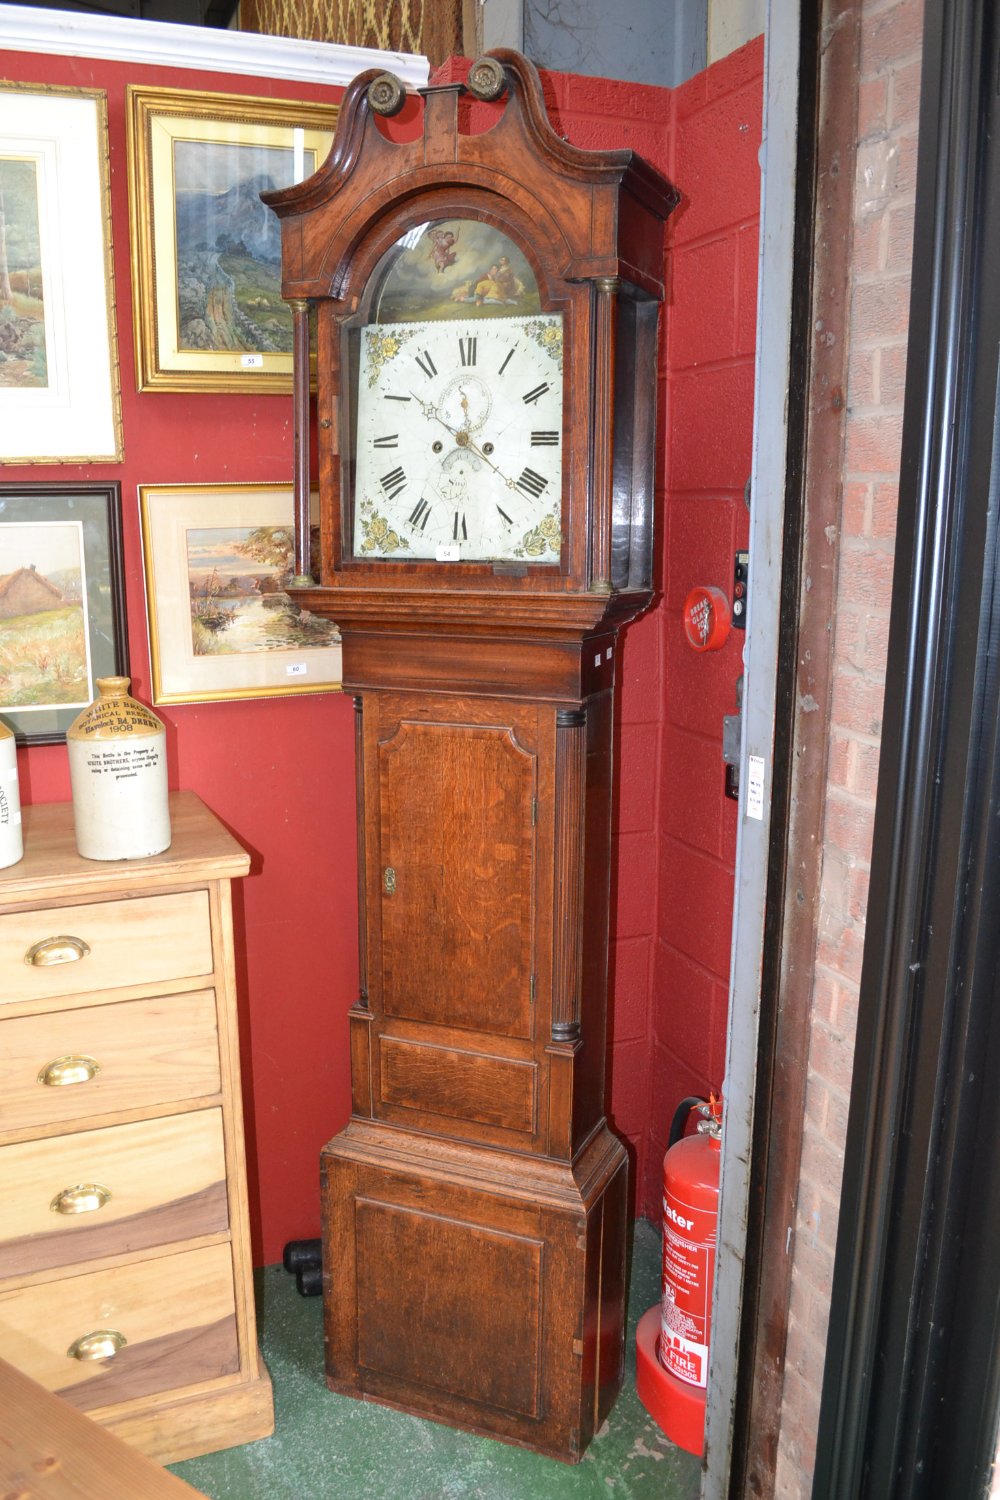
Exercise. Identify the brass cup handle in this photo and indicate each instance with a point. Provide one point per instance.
(56, 950)
(62, 1071)
(103, 1343)
(84, 1198)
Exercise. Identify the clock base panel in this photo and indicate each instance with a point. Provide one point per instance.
(477, 1287)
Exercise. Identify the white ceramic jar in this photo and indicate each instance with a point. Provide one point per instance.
(118, 774)
(11, 839)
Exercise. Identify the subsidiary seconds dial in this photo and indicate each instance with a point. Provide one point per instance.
(458, 444)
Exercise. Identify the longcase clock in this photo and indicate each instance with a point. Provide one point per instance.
(486, 310)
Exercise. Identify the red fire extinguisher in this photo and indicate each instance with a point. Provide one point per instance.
(672, 1338)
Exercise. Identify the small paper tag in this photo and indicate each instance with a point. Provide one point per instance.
(755, 786)
(251, 361)
(296, 669)
(448, 553)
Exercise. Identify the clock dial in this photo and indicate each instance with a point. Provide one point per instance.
(458, 444)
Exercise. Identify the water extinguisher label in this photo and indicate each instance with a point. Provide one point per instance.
(688, 1264)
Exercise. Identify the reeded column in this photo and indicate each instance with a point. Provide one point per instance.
(604, 432)
(303, 577)
(359, 762)
(571, 767)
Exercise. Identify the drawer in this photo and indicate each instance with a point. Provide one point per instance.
(176, 1315)
(148, 940)
(105, 1192)
(115, 1057)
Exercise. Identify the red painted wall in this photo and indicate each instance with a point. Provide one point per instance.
(712, 294)
(280, 772)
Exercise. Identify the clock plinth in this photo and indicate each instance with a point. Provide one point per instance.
(509, 1317)
(487, 351)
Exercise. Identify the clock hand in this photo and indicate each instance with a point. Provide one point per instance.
(461, 436)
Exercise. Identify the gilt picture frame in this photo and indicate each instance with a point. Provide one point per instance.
(206, 253)
(60, 400)
(222, 621)
(62, 603)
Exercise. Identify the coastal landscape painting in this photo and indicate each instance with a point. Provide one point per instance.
(225, 618)
(238, 578)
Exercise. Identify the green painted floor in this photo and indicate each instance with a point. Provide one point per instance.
(328, 1447)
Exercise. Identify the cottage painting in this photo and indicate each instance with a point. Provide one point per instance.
(23, 361)
(237, 577)
(44, 647)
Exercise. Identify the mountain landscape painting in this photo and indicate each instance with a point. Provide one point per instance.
(23, 362)
(229, 246)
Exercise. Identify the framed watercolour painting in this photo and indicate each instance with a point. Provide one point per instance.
(222, 620)
(206, 253)
(59, 393)
(62, 603)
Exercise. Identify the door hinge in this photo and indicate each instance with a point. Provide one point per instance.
(534, 811)
(532, 987)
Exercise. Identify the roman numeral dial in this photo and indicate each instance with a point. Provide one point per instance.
(457, 452)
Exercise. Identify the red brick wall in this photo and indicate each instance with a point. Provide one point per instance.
(883, 232)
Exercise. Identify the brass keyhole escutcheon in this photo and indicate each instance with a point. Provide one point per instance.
(389, 880)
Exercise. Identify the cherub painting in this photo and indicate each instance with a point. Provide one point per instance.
(443, 253)
(452, 263)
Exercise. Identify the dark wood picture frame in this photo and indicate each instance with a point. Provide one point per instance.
(94, 511)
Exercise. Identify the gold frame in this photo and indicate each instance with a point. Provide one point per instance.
(156, 119)
(179, 675)
(76, 208)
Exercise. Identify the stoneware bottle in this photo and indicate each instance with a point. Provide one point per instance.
(11, 842)
(118, 774)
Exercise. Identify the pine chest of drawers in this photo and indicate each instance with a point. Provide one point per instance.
(125, 1270)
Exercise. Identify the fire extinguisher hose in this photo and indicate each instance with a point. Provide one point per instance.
(680, 1119)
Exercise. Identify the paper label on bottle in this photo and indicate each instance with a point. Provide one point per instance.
(124, 762)
(10, 807)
